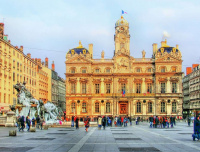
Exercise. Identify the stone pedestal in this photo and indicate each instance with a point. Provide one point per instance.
(12, 133)
(10, 119)
(32, 129)
(45, 127)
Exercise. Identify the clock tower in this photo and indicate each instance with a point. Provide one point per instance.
(122, 37)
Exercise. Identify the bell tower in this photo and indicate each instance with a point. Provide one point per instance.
(122, 37)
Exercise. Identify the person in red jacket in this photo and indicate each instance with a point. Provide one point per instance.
(122, 120)
(87, 124)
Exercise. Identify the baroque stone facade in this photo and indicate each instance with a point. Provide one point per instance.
(124, 85)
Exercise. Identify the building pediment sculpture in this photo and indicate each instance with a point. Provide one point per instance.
(162, 79)
(123, 80)
(96, 81)
(174, 79)
(136, 80)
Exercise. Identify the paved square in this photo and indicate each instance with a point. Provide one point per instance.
(112, 139)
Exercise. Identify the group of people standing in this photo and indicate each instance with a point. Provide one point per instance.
(23, 122)
(162, 122)
(120, 121)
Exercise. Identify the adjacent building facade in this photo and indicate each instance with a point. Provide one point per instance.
(16, 67)
(124, 85)
(61, 93)
(191, 91)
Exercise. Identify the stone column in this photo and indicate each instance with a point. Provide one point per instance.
(144, 109)
(143, 86)
(102, 86)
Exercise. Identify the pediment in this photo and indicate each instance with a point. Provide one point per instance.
(78, 59)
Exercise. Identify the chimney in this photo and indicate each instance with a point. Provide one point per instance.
(155, 48)
(46, 62)
(29, 55)
(188, 70)
(194, 66)
(53, 66)
(1, 30)
(21, 48)
(177, 47)
(91, 50)
(164, 43)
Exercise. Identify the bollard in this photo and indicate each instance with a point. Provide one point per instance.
(32, 129)
(12, 133)
(45, 127)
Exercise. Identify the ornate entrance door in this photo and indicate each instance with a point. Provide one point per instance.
(123, 108)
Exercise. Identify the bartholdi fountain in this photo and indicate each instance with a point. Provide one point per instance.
(28, 106)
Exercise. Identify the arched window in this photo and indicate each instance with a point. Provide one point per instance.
(138, 107)
(173, 107)
(107, 107)
(149, 107)
(96, 107)
(162, 106)
(84, 107)
(138, 70)
(73, 107)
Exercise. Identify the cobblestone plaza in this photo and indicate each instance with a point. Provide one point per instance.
(132, 138)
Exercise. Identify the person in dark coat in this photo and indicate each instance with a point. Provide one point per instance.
(87, 123)
(156, 121)
(22, 124)
(196, 128)
(33, 122)
(189, 120)
(38, 121)
(77, 121)
(28, 123)
(104, 122)
(151, 121)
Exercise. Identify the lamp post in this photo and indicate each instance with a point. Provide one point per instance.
(102, 101)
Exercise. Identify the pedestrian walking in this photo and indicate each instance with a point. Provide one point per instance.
(72, 125)
(33, 122)
(87, 123)
(130, 119)
(151, 121)
(22, 123)
(28, 123)
(104, 122)
(99, 123)
(189, 120)
(196, 133)
(38, 121)
(41, 123)
(19, 122)
(77, 123)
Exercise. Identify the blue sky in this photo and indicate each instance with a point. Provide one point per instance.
(51, 28)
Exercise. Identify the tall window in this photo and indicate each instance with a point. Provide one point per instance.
(162, 106)
(123, 87)
(97, 91)
(173, 107)
(84, 107)
(107, 70)
(73, 88)
(97, 70)
(174, 88)
(162, 87)
(13, 76)
(163, 69)
(149, 107)
(107, 88)
(72, 70)
(138, 107)
(138, 88)
(73, 106)
(96, 107)
(108, 107)
(84, 88)
(138, 70)
(149, 70)
(84, 71)
(149, 87)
